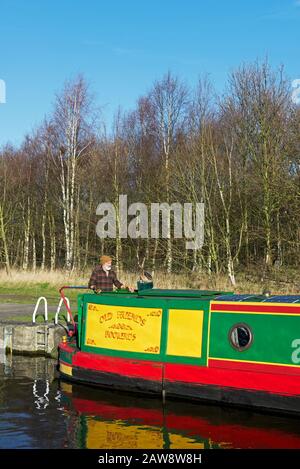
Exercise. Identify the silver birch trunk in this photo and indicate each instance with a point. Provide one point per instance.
(52, 243)
(87, 236)
(154, 255)
(26, 239)
(43, 241)
(33, 254)
(4, 241)
(226, 209)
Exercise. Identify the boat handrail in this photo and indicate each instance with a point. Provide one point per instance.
(58, 310)
(36, 308)
(63, 297)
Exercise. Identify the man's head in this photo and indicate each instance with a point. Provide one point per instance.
(106, 261)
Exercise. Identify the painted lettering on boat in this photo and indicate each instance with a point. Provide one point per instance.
(119, 335)
(116, 327)
(105, 317)
(131, 317)
(296, 353)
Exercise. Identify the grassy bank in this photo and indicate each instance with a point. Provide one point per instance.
(26, 287)
(23, 288)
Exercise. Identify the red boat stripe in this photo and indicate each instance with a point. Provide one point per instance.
(259, 308)
(124, 367)
(246, 380)
(252, 377)
(255, 367)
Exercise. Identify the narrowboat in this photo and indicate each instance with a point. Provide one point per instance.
(198, 345)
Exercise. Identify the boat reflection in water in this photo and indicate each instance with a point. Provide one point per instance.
(103, 419)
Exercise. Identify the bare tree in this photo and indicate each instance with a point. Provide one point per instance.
(71, 139)
(169, 100)
(4, 214)
(260, 104)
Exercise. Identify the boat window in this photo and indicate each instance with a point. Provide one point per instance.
(240, 336)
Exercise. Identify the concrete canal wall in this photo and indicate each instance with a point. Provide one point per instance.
(23, 337)
(31, 339)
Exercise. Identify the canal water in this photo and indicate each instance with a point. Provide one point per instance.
(37, 410)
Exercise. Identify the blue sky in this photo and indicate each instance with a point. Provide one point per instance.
(121, 47)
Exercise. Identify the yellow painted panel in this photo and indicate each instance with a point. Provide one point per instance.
(67, 370)
(131, 329)
(185, 332)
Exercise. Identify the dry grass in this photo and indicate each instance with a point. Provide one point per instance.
(285, 281)
(57, 277)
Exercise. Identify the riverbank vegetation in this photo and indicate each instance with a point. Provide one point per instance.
(238, 153)
(26, 287)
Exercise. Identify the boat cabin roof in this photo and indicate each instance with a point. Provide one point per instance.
(183, 293)
(207, 295)
(260, 298)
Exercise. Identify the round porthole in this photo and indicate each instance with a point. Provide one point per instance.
(240, 337)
